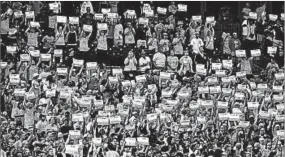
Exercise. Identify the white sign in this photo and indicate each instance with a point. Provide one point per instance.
(106, 10)
(182, 7)
(57, 52)
(78, 62)
(35, 53)
(271, 50)
(143, 140)
(103, 121)
(241, 74)
(115, 120)
(53, 6)
(14, 78)
(240, 53)
(45, 57)
(227, 64)
(131, 142)
(98, 16)
(210, 19)
(279, 76)
(102, 26)
(91, 65)
(87, 28)
(25, 57)
(19, 92)
(252, 105)
(61, 19)
(255, 53)
(30, 14)
(73, 20)
(161, 10)
(273, 17)
(253, 15)
(62, 71)
(197, 18)
(35, 24)
(216, 66)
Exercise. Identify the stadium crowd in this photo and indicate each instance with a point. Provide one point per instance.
(154, 83)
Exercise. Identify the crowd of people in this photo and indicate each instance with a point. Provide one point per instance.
(154, 83)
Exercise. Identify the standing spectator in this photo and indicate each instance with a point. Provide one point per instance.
(37, 6)
(118, 32)
(60, 35)
(144, 62)
(84, 43)
(33, 35)
(196, 44)
(172, 8)
(71, 36)
(87, 18)
(172, 61)
(153, 43)
(235, 44)
(102, 45)
(209, 39)
(246, 10)
(130, 63)
(185, 64)
(129, 33)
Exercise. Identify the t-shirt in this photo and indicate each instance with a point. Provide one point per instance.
(33, 39)
(196, 44)
(159, 59)
(129, 36)
(102, 43)
(83, 44)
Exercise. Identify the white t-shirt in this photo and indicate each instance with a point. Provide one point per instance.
(144, 63)
(196, 44)
(159, 59)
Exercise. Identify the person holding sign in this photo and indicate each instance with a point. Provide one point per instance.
(245, 65)
(33, 35)
(84, 42)
(59, 35)
(246, 10)
(102, 46)
(129, 33)
(71, 36)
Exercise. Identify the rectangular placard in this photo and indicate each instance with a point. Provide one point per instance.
(240, 53)
(253, 15)
(255, 53)
(61, 19)
(88, 28)
(182, 7)
(73, 20)
(161, 10)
